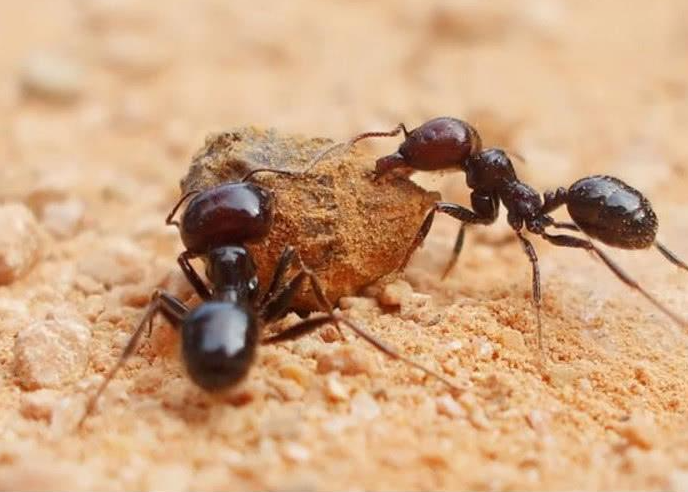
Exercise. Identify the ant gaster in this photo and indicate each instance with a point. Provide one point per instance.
(220, 336)
(601, 207)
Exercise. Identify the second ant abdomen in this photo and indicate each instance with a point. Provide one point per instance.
(608, 209)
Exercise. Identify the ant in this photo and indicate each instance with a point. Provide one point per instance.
(220, 336)
(601, 207)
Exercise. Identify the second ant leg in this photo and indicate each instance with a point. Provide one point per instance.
(575, 242)
(537, 294)
(192, 276)
(669, 255)
(161, 302)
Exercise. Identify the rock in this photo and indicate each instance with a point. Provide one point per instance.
(20, 241)
(364, 406)
(39, 405)
(51, 353)
(348, 360)
(63, 219)
(51, 76)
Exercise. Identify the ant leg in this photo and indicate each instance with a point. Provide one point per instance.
(670, 256)
(192, 276)
(161, 302)
(457, 211)
(566, 225)
(309, 325)
(279, 304)
(283, 263)
(170, 216)
(485, 206)
(574, 242)
(537, 294)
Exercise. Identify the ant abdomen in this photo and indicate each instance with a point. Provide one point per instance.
(439, 144)
(613, 212)
(219, 341)
(229, 213)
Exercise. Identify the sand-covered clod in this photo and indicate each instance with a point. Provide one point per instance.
(346, 227)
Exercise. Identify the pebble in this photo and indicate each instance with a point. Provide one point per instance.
(39, 405)
(348, 360)
(119, 262)
(63, 219)
(396, 293)
(640, 430)
(51, 353)
(134, 55)
(296, 452)
(446, 405)
(364, 406)
(335, 390)
(51, 76)
(20, 241)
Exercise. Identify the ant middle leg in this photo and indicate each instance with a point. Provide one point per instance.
(485, 205)
(192, 276)
(161, 302)
(463, 214)
(671, 256)
(575, 242)
(536, 289)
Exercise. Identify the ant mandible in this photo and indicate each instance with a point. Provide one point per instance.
(601, 207)
(220, 336)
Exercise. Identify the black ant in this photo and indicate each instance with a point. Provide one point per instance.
(602, 207)
(220, 336)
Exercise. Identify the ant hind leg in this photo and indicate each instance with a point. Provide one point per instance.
(669, 255)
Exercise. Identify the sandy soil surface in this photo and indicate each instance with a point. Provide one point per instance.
(102, 104)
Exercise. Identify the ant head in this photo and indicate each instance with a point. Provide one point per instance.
(489, 170)
(218, 343)
(232, 268)
(230, 213)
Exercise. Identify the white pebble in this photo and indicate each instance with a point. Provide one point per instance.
(63, 219)
(52, 76)
(364, 406)
(51, 353)
(20, 241)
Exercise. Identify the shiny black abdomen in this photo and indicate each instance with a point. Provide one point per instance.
(219, 341)
(608, 209)
(231, 213)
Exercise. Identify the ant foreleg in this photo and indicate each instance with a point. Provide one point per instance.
(281, 268)
(670, 256)
(537, 294)
(161, 302)
(192, 276)
(575, 242)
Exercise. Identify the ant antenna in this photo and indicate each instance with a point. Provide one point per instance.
(169, 220)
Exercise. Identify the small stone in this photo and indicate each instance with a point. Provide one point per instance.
(513, 340)
(51, 353)
(20, 241)
(348, 360)
(39, 405)
(120, 262)
(364, 406)
(296, 373)
(446, 405)
(52, 76)
(134, 55)
(296, 452)
(63, 219)
(396, 293)
(640, 430)
(335, 390)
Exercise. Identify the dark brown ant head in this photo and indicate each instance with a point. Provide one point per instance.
(231, 269)
(219, 342)
(608, 209)
(231, 213)
(489, 170)
(439, 144)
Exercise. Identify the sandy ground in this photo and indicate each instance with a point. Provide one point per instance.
(102, 104)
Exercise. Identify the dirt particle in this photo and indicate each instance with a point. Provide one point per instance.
(52, 76)
(640, 430)
(20, 241)
(39, 405)
(347, 360)
(64, 218)
(51, 353)
(446, 405)
(364, 406)
(334, 389)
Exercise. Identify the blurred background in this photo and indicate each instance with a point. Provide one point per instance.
(103, 103)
